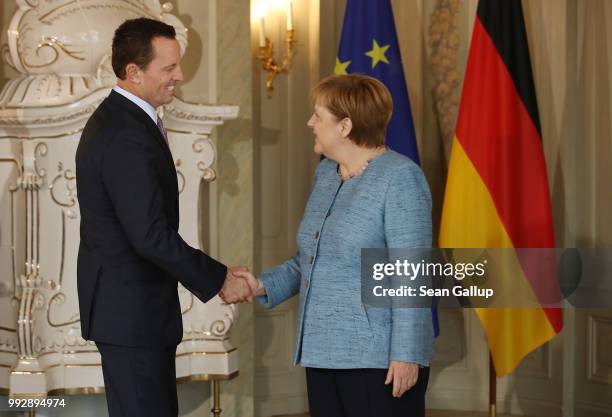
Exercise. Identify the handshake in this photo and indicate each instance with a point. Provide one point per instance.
(240, 285)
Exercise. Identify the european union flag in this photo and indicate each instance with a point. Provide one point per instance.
(369, 46)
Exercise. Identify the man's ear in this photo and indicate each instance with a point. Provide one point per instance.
(133, 73)
(346, 126)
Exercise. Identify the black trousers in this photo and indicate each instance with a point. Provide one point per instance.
(139, 381)
(362, 393)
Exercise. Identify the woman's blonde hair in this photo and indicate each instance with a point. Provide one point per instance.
(363, 99)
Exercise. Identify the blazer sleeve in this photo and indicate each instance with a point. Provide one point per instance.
(408, 225)
(132, 183)
(281, 282)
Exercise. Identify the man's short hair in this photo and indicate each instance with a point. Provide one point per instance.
(132, 43)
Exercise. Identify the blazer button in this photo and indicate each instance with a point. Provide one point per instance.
(317, 235)
(311, 260)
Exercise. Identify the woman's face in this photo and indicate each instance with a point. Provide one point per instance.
(327, 130)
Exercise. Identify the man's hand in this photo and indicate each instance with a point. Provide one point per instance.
(257, 287)
(235, 289)
(403, 375)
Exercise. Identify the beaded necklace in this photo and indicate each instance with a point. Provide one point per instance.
(360, 170)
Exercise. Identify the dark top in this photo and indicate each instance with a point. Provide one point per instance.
(131, 256)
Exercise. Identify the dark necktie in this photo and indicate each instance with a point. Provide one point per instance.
(162, 129)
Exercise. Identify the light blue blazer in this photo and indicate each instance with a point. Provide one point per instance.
(389, 205)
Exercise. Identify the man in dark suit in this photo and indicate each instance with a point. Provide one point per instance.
(131, 256)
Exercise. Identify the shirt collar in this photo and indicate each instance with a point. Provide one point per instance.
(150, 110)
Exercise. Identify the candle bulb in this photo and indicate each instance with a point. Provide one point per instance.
(262, 32)
(290, 16)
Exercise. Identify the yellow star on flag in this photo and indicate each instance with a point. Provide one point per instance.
(340, 68)
(377, 53)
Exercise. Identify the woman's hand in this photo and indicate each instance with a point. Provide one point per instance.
(403, 375)
(255, 284)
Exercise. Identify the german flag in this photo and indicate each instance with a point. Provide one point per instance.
(497, 188)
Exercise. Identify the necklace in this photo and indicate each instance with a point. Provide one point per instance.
(361, 170)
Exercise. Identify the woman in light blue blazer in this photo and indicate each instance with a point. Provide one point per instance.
(359, 361)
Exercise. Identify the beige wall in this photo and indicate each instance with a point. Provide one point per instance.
(217, 69)
(284, 162)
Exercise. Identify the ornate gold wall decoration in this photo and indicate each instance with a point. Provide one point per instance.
(187, 115)
(201, 145)
(57, 48)
(69, 181)
(180, 177)
(443, 42)
(75, 7)
(57, 300)
(59, 56)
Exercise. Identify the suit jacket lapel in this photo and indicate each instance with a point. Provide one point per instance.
(141, 115)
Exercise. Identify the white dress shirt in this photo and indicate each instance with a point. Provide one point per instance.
(150, 110)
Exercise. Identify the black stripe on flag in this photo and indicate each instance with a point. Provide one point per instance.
(503, 20)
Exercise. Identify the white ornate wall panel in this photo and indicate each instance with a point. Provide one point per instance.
(12, 209)
(61, 50)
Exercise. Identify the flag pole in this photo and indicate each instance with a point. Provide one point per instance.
(492, 388)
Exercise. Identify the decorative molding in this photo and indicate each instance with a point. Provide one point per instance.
(180, 176)
(101, 390)
(12, 188)
(75, 6)
(59, 55)
(75, 391)
(283, 352)
(599, 349)
(7, 329)
(454, 328)
(13, 161)
(186, 115)
(538, 364)
(65, 75)
(69, 181)
(443, 41)
(18, 121)
(466, 399)
(280, 404)
(593, 409)
(207, 377)
(59, 299)
(205, 147)
(57, 47)
(40, 151)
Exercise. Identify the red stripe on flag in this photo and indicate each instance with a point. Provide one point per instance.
(502, 142)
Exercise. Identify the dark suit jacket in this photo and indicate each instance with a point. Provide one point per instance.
(131, 256)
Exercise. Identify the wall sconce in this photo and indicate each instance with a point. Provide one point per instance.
(266, 47)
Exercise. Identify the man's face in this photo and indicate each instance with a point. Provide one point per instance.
(162, 73)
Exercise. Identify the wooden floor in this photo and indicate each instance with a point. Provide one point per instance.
(436, 413)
